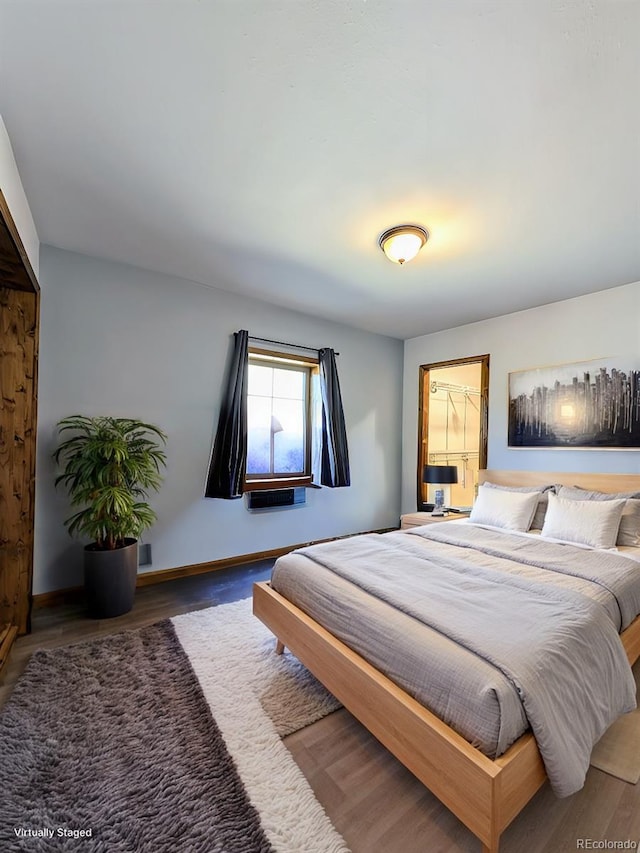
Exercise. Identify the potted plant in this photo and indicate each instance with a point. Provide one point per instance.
(109, 465)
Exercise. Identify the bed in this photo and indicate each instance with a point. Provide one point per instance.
(485, 792)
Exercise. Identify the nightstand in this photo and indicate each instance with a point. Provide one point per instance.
(415, 519)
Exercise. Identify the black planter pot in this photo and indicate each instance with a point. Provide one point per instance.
(110, 579)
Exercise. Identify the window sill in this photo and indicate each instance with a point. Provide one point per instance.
(279, 483)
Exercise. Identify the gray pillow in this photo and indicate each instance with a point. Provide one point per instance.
(543, 500)
(629, 530)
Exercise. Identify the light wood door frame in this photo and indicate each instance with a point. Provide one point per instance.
(423, 413)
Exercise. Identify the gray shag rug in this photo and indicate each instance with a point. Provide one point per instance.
(160, 740)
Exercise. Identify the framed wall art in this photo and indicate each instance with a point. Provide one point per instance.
(587, 404)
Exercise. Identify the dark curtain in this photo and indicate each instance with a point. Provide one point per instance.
(334, 453)
(229, 457)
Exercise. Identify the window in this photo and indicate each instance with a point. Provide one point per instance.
(292, 418)
(278, 420)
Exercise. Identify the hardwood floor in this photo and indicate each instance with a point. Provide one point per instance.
(379, 807)
(68, 623)
(374, 802)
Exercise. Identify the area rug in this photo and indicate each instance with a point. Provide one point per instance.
(114, 745)
(618, 751)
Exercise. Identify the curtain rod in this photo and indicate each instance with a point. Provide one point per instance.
(284, 344)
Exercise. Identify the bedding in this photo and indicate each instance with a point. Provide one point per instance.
(370, 592)
(593, 523)
(630, 551)
(501, 508)
(543, 499)
(629, 530)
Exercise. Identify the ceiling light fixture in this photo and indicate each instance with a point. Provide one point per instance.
(403, 242)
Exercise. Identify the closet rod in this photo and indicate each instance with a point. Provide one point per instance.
(459, 454)
(436, 385)
(285, 344)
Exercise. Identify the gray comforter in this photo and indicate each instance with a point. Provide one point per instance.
(557, 646)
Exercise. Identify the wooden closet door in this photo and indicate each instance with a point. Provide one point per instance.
(19, 309)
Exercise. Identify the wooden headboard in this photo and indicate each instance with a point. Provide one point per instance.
(596, 482)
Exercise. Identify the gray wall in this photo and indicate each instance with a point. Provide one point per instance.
(128, 342)
(601, 324)
(13, 191)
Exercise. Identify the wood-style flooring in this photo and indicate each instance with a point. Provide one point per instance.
(377, 805)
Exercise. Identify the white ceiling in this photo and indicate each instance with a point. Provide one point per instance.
(262, 146)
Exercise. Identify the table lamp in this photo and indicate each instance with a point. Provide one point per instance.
(439, 475)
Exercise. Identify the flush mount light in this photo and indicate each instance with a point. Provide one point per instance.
(403, 242)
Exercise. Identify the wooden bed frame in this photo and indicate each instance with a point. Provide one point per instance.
(485, 794)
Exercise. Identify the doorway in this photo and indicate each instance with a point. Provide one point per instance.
(452, 427)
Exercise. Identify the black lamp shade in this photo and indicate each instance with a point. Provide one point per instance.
(440, 474)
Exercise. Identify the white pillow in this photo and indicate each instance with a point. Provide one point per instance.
(538, 518)
(592, 523)
(629, 530)
(511, 510)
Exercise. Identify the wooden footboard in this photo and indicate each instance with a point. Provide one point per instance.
(485, 795)
(631, 640)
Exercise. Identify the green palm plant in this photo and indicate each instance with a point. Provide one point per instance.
(109, 465)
